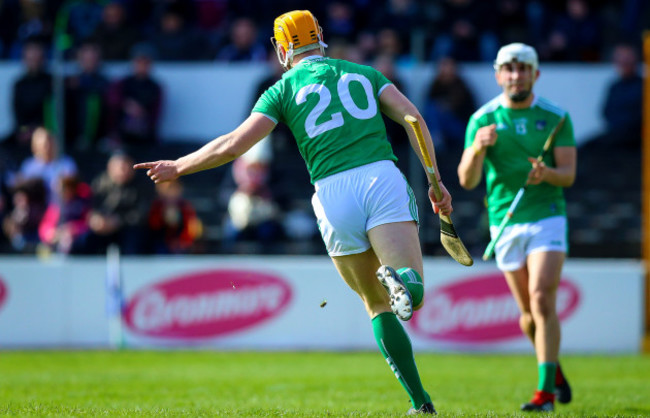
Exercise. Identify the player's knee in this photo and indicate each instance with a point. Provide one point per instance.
(541, 303)
(526, 323)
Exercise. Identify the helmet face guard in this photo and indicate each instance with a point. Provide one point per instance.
(294, 33)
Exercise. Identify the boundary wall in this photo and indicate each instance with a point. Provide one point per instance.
(295, 303)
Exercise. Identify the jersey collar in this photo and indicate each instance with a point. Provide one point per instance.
(310, 58)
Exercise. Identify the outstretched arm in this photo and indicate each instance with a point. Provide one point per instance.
(395, 105)
(215, 153)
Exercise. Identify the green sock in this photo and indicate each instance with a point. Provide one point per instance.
(395, 345)
(413, 282)
(546, 376)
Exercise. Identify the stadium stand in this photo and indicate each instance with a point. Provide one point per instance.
(603, 206)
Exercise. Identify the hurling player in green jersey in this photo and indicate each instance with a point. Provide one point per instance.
(503, 138)
(366, 210)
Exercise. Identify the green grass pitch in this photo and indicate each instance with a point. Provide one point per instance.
(302, 384)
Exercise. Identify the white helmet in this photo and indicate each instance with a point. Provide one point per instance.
(517, 52)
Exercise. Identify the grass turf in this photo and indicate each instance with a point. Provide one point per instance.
(207, 383)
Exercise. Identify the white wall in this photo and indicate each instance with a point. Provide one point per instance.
(276, 303)
(208, 99)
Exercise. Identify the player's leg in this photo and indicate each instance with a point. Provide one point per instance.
(512, 261)
(510, 254)
(346, 206)
(358, 271)
(397, 245)
(518, 283)
(546, 269)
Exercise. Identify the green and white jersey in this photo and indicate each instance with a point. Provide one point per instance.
(332, 109)
(521, 133)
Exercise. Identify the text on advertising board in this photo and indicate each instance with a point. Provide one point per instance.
(206, 304)
(480, 310)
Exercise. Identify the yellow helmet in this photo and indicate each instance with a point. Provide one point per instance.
(294, 33)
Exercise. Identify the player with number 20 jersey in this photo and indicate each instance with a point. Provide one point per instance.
(365, 209)
(332, 108)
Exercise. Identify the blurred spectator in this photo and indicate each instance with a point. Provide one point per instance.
(634, 20)
(448, 106)
(114, 35)
(340, 22)
(512, 23)
(211, 14)
(8, 26)
(118, 208)
(211, 18)
(367, 44)
(21, 224)
(45, 162)
(575, 35)
(149, 12)
(77, 20)
(176, 40)
(173, 225)
(538, 18)
(244, 45)
(86, 100)
(32, 96)
(253, 213)
(65, 223)
(29, 23)
(136, 102)
(6, 179)
(390, 42)
(402, 16)
(623, 105)
(467, 32)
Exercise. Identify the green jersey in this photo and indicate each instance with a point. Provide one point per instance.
(332, 108)
(521, 133)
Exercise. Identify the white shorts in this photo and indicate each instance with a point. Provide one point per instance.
(349, 203)
(520, 240)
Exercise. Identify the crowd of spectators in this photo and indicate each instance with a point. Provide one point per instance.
(48, 203)
(232, 30)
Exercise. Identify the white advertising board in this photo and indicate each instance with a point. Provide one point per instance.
(300, 303)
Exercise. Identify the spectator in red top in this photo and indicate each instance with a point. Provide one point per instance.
(173, 225)
(65, 223)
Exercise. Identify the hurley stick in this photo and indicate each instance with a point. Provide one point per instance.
(448, 237)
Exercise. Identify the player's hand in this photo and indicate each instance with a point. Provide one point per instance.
(485, 137)
(444, 204)
(159, 171)
(538, 173)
